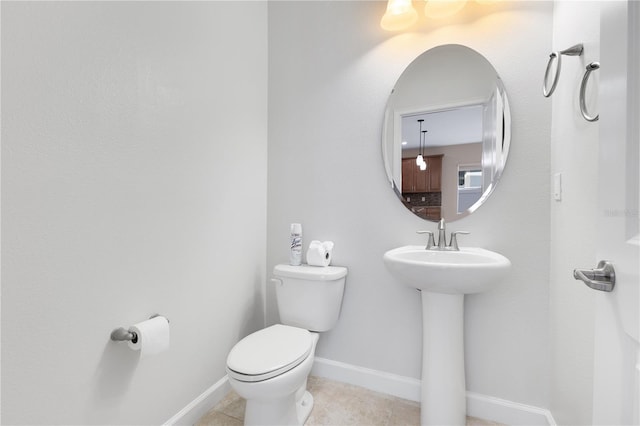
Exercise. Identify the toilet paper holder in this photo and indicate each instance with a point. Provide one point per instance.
(121, 334)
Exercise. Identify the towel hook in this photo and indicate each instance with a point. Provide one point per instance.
(571, 51)
(583, 88)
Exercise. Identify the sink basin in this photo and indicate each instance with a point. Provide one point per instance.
(470, 270)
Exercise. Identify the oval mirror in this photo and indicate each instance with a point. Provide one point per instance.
(446, 133)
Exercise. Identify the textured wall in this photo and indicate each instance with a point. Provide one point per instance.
(130, 133)
(331, 69)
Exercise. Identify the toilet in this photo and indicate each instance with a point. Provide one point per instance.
(269, 368)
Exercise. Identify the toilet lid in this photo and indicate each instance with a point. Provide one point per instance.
(268, 353)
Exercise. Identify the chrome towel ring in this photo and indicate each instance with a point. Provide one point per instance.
(583, 87)
(571, 51)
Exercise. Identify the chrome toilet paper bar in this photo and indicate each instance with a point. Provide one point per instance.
(123, 335)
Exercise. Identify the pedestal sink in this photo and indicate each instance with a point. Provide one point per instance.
(444, 277)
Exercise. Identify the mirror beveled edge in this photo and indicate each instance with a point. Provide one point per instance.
(389, 144)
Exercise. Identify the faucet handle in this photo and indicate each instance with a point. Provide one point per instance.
(453, 242)
(431, 242)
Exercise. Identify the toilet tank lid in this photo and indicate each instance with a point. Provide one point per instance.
(306, 272)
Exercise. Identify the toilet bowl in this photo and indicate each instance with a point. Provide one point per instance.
(269, 368)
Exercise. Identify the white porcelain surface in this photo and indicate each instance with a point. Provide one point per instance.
(443, 389)
(280, 400)
(269, 368)
(314, 273)
(444, 277)
(281, 348)
(470, 270)
(309, 296)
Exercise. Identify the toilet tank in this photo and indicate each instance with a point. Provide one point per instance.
(309, 296)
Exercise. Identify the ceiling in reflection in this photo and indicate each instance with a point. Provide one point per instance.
(450, 127)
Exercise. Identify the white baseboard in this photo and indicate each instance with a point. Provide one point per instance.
(197, 408)
(507, 412)
(387, 383)
(480, 406)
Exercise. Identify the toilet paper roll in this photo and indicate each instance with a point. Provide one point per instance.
(153, 336)
(319, 253)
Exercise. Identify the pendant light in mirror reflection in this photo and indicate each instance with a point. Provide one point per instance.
(419, 158)
(401, 14)
(423, 165)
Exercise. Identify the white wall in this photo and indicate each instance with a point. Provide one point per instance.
(331, 69)
(133, 182)
(574, 154)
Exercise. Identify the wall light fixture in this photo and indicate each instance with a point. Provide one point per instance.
(401, 14)
(439, 9)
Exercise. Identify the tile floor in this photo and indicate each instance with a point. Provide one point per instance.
(336, 404)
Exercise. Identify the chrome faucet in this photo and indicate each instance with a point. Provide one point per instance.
(442, 235)
(442, 238)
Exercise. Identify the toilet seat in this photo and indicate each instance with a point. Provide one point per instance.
(268, 353)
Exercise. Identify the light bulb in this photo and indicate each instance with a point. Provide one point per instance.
(400, 14)
(419, 160)
(423, 165)
(438, 9)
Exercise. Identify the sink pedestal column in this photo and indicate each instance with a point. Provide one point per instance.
(443, 399)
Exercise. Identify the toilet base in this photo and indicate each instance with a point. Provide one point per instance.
(304, 407)
(283, 412)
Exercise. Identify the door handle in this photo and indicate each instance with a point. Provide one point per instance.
(602, 278)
